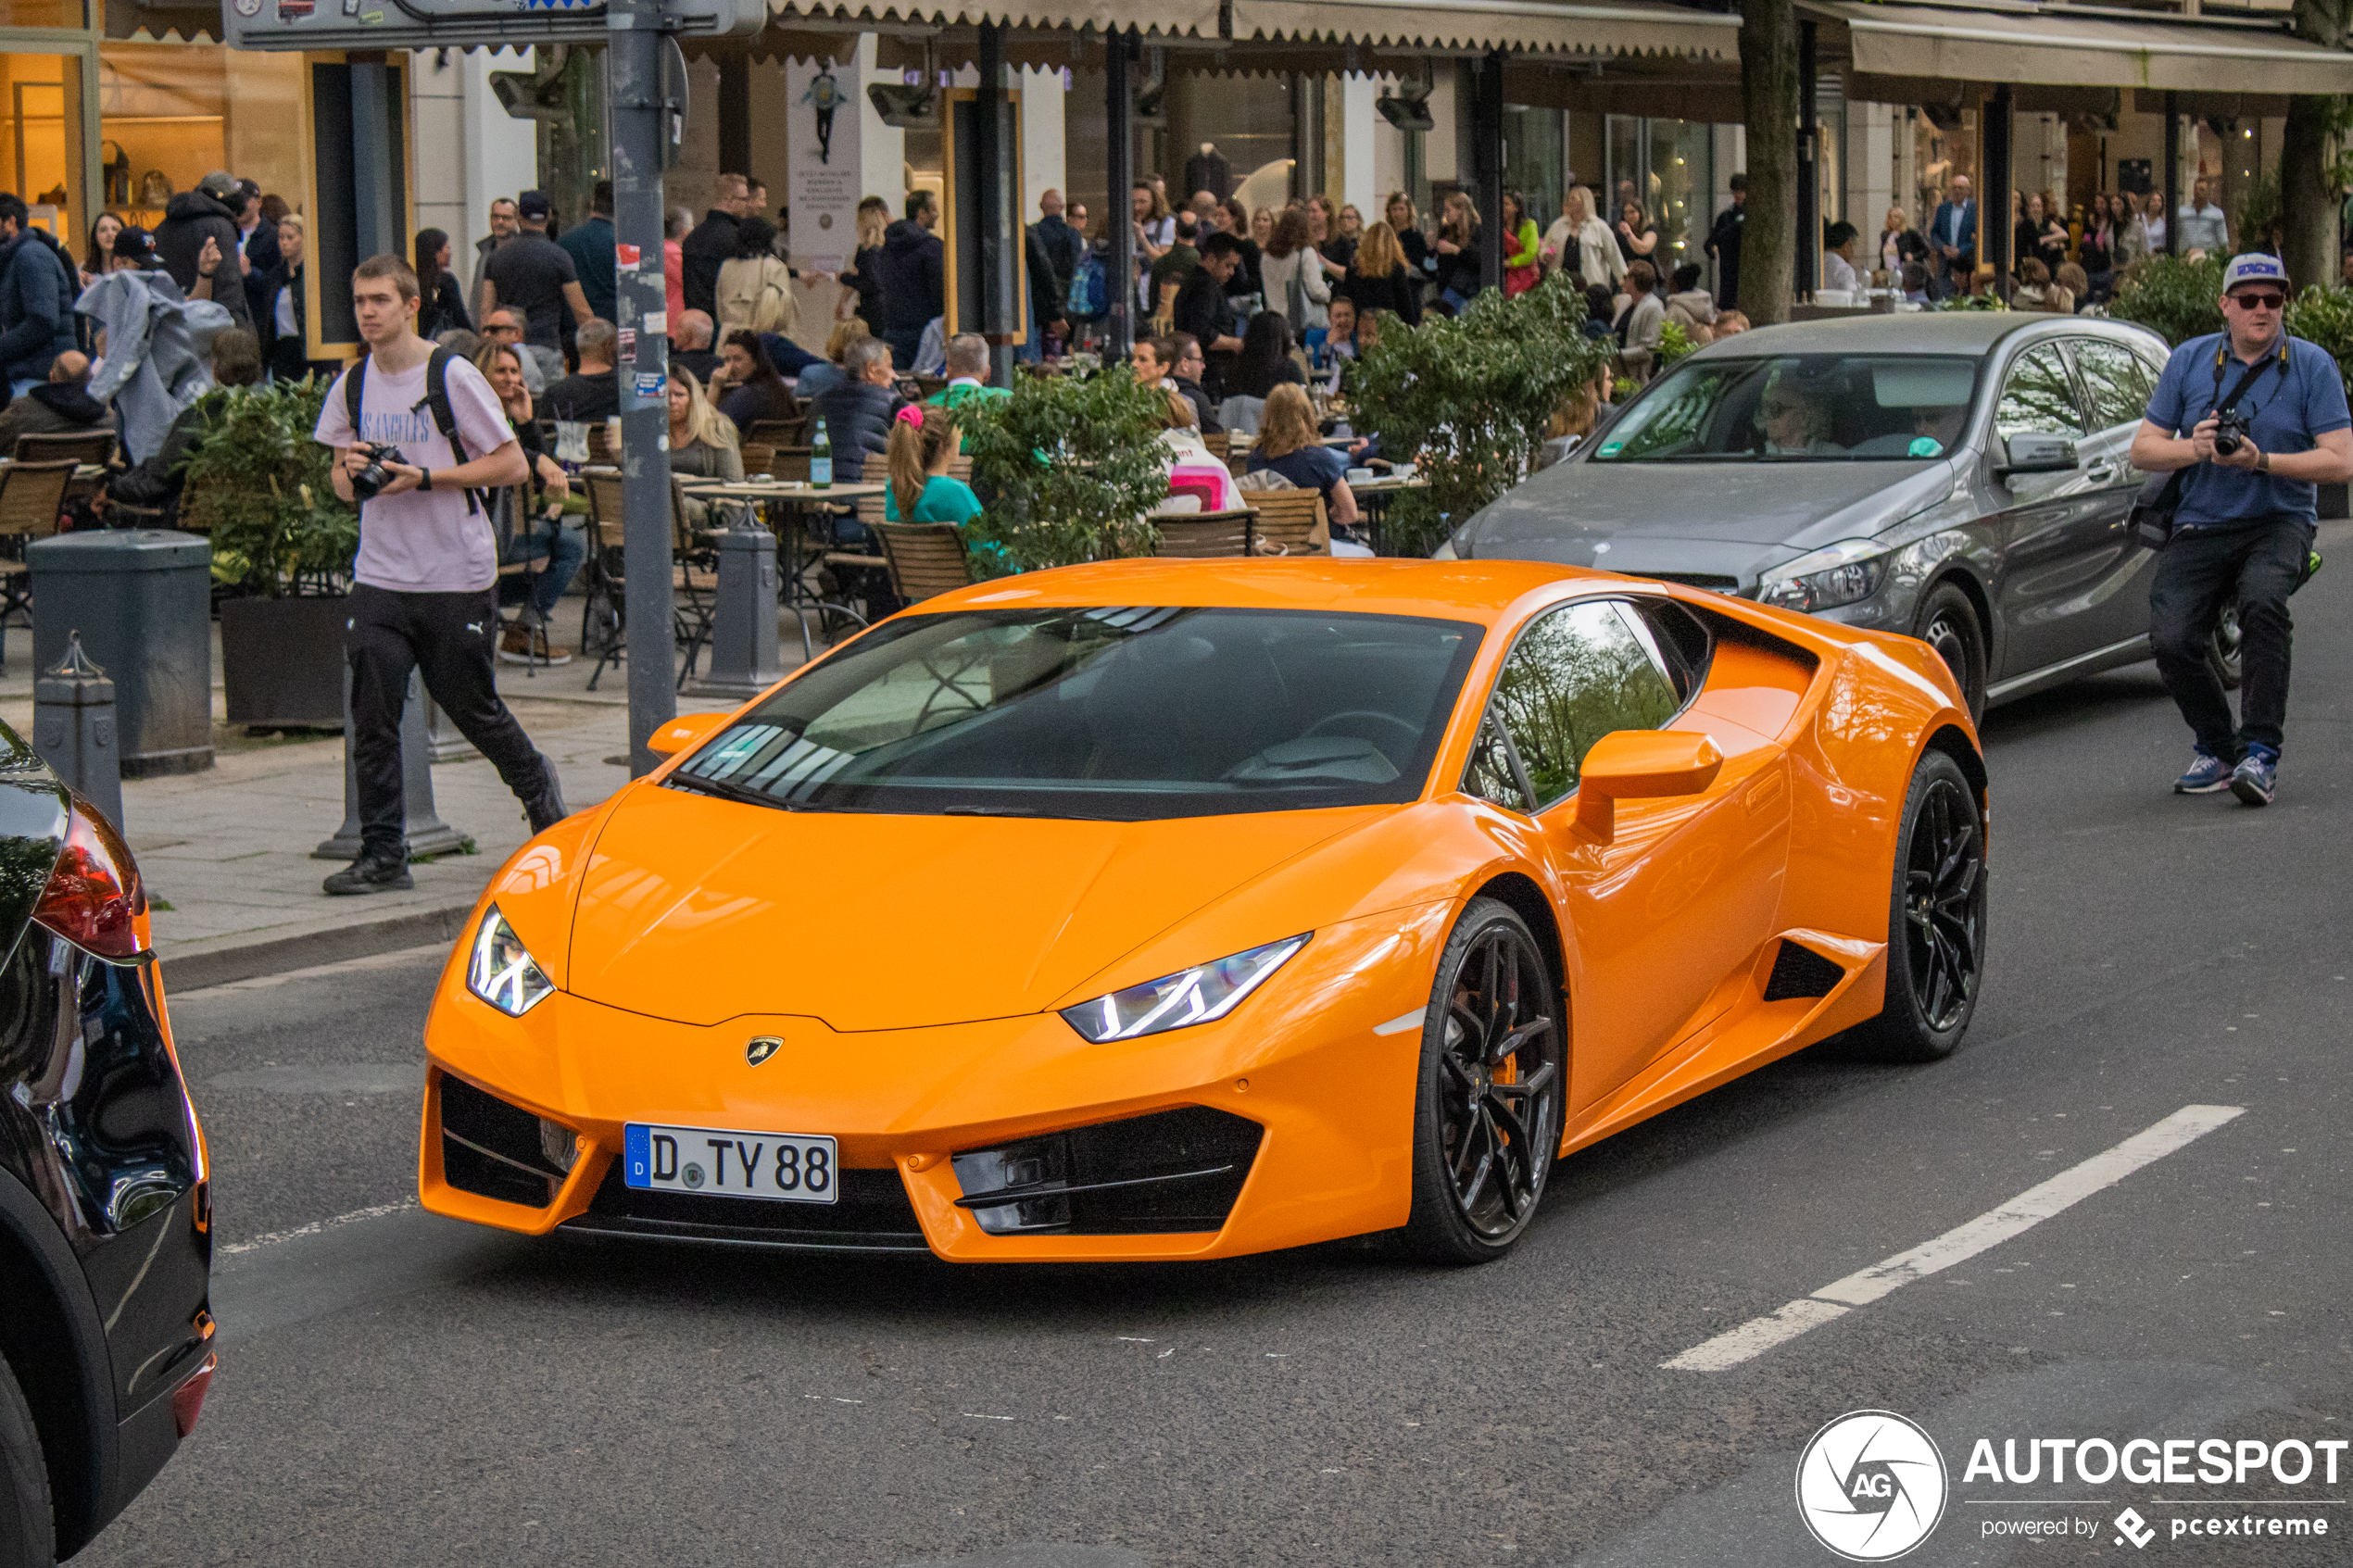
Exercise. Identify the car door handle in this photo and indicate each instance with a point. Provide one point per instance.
(2101, 473)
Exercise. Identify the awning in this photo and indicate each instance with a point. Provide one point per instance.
(2046, 45)
(1630, 28)
(1162, 17)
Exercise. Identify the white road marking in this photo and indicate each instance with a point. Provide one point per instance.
(315, 1226)
(1990, 1229)
(977, 1416)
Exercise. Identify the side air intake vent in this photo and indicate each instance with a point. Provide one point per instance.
(1170, 1171)
(1801, 971)
(491, 1149)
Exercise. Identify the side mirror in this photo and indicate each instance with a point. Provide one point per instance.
(682, 732)
(2036, 454)
(1640, 764)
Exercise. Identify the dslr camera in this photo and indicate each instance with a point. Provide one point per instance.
(2230, 433)
(368, 482)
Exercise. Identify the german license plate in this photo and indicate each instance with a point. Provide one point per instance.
(713, 1162)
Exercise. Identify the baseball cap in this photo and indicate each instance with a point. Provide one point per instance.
(534, 204)
(2254, 268)
(134, 244)
(219, 184)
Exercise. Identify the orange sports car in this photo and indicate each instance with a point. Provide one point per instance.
(1185, 908)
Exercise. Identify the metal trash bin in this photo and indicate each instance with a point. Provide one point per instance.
(142, 600)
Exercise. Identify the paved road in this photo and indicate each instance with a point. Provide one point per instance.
(396, 1390)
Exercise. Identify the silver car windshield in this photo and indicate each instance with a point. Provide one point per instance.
(1799, 408)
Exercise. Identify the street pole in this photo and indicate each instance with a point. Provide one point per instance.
(2172, 175)
(640, 130)
(1487, 166)
(1809, 168)
(1119, 274)
(1993, 211)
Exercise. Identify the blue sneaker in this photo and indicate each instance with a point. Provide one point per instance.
(2257, 778)
(2208, 774)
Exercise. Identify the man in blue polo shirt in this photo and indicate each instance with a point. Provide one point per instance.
(2246, 519)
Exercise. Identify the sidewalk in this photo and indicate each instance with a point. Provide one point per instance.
(226, 853)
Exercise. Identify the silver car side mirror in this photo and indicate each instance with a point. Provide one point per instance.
(2036, 454)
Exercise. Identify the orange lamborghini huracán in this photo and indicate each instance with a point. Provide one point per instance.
(1184, 909)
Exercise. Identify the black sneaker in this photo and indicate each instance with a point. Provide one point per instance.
(371, 873)
(547, 809)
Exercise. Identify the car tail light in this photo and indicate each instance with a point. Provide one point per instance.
(188, 1400)
(93, 899)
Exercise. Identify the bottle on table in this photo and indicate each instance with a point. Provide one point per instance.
(821, 458)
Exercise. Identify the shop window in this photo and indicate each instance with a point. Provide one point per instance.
(43, 13)
(170, 113)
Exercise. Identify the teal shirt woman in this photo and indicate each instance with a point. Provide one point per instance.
(945, 498)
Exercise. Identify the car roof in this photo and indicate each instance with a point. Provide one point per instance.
(1916, 332)
(1482, 591)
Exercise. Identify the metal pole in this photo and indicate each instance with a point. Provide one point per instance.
(2172, 176)
(1994, 214)
(633, 59)
(1119, 173)
(993, 202)
(1810, 168)
(1487, 165)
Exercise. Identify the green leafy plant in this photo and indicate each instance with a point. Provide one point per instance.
(1468, 396)
(2325, 316)
(259, 485)
(2175, 297)
(1674, 344)
(1987, 301)
(1074, 464)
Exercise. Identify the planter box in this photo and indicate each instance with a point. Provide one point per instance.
(282, 660)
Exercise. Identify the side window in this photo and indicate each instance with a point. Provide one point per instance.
(1491, 775)
(2117, 381)
(2038, 397)
(1577, 674)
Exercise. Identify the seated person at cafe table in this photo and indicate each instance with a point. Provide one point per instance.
(923, 443)
(1288, 444)
(747, 388)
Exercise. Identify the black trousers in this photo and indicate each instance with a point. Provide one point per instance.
(452, 639)
(2257, 565)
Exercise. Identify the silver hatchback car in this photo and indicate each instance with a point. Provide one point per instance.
(1961, 476)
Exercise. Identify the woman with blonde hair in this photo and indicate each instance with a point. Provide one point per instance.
(1194, 470)
(1378, 279)
(923, 443)
(1404, 221)
(539, 536)
(863, 281)
(1290, 445)
(1457, 261)
(703, 445)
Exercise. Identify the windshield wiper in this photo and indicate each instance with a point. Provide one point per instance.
(1025, 811)
(726, 791)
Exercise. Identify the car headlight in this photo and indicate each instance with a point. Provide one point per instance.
(1836, 575)
(1193, 995)
(502, 970)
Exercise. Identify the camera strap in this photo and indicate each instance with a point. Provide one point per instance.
(2254, 372)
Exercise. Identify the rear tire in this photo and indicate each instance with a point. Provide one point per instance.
(1936, 920)
(1488, 1096)
(28, 1528)
(1948, 623)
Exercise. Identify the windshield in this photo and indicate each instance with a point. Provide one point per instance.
(1796, 408)
(1123, 714)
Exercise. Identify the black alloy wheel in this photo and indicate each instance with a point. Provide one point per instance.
(1948, 623)
(2223, 657)
(1486, 1109)
(1936, 926)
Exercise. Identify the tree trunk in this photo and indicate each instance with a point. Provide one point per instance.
(1768, 99)
(2308, 207)
(2307, 198)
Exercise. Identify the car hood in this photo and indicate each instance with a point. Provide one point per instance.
(702, 909)
(1664, 516)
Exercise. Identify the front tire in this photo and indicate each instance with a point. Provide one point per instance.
(1937, 919)
(1488, 1097)
(1948, 622)
(28, 1528)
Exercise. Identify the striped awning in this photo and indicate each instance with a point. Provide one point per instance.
(1634, 27)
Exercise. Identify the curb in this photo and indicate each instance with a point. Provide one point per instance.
(202, 964)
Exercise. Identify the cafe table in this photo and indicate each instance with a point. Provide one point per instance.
(795, 497)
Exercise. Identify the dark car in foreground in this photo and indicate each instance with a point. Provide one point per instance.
(106, 1246)
(1964, 477)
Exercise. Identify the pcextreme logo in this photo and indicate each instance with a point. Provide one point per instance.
(1872, 1485)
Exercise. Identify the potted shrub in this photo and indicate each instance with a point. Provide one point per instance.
(1468, 396)
(282, 544)
(1070, 467)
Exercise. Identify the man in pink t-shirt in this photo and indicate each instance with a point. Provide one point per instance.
(425, 592)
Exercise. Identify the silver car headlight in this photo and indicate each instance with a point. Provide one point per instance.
(1843, 573)
(1200, 995)
(502, 970)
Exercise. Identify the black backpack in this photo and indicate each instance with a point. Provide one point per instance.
(436, 398)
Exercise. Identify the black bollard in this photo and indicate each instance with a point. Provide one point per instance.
(75, 730)
(744, 661)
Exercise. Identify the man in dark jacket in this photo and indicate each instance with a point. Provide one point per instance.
(702, 252)
(593, 392)
(37, 290)
(60, 405)
(914, 278)
(858, 410)
(208, 212)
(591, 245)
(1202, 309)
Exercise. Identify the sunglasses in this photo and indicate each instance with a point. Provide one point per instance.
(2259, 301)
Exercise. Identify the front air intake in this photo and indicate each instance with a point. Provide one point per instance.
(1174, 1170)
(1801, 971)
(492, 1148)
